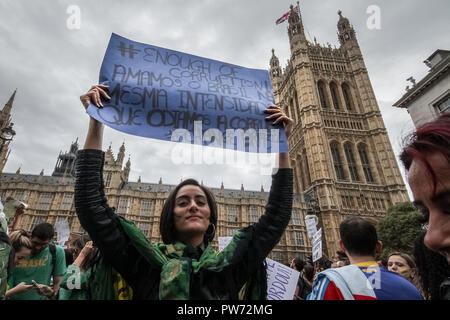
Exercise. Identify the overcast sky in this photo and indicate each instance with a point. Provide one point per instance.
(52, 65)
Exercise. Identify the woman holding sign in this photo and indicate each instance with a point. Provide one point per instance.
(184, 266)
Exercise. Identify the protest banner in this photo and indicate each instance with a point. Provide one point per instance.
(317, 246)
(281, 281)
(223, 242)
(174, 96)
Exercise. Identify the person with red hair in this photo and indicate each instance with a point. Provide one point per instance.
(426, 157)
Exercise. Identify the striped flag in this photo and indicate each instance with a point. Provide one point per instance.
(286, 16)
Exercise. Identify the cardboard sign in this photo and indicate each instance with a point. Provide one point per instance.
(281, 281)
(311, 226)
(169, 95)
(317, 246)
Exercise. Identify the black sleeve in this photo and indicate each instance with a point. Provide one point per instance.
(264, 235)
(99, 220)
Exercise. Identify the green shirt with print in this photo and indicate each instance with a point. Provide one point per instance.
(37, 267)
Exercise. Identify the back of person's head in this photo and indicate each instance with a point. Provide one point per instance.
(43, 231)
(298, 264)
(20, 239)
(167, 221)
(432, 137)
(359, 236)
(308, 272)
(91, 258)
(342, 259)
(81, 241)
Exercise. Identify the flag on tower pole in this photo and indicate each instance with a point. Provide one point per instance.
(285, 16)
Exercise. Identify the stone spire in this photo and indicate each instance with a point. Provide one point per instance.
(275, 69)
(296, 31)
(65, 164)
(8, 106)
(121, 155)
(346, 33)
(126, 170)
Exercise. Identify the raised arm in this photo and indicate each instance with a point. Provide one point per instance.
(95, 216)
(260, 238)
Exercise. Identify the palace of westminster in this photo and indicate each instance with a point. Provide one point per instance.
(340, 151)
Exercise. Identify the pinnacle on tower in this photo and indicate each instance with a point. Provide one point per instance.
(8, 106)
(121, 154)
(346, 33)
(296, 31)
(275, 69)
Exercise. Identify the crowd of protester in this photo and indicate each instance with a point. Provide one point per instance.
(115, 260)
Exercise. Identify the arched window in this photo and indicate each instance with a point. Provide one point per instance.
(347, 97)
(322, 94)
(351, 162)
(337, 161)
(365, 163)
(334, 95)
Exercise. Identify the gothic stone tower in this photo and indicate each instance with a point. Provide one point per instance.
(5, 122)
(339, 148)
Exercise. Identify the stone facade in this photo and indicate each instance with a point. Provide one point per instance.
(50, 198)
(428, 98)
(339, 148)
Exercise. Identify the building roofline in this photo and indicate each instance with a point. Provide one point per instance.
(436, 52)
(423, 84)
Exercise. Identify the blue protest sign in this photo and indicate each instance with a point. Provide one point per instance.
(174, 96)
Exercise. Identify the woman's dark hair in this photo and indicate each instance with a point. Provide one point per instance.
(299, 264)
(432, 268)
(432, 137)
(167, 221)
(308, 271)
(359, 236)
(43, 231)
(91, 258)
(68, 252)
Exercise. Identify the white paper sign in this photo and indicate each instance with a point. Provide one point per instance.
(311, 225)
(317, 246)
(63, 230)
(281, 281)
(223, 242)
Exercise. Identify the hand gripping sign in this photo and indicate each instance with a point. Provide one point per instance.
(169, 95)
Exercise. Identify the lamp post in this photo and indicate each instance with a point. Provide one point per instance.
(6, 134)
(314, 210)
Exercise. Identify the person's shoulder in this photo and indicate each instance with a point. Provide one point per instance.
(59, 249)
(398, 282)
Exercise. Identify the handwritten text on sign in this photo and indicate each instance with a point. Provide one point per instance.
(317, 246)
(281, 281)
(169, 95)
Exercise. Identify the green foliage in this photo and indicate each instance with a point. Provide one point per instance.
(398, 229)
